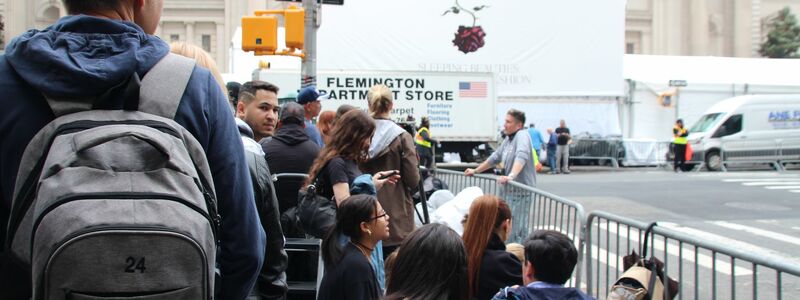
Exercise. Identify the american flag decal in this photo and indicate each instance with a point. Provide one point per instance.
(472, 89)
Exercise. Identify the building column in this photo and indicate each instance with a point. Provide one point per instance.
(755, 26)
(742, 34)
(222, 49)
(647, 41)
(190, 38)
(699, 27)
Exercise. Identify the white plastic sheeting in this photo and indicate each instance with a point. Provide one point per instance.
(594, 117)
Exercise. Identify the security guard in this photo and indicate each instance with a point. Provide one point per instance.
(424, 143)
(679, 140)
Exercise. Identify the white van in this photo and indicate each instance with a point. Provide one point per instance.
(751, 128)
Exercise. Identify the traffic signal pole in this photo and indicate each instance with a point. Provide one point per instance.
(308, 71)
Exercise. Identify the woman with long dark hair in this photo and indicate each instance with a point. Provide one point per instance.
(490, 267)
(430, 264)
(349, 272)
(337, 163)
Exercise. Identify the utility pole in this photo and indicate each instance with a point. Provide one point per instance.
(308, 71)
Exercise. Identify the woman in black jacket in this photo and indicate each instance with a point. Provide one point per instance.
(489, 266)
(349, 274)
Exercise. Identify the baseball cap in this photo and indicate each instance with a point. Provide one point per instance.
(310, 94)
(292, 113)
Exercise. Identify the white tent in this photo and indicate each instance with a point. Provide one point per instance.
(709, 80)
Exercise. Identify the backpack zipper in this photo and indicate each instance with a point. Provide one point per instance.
(70, 238)
(128, 196)
(25, 198)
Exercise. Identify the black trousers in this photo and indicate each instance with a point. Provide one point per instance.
(425, 157)
(680, 156)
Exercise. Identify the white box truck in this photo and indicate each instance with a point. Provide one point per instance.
(460, 105)
(751, 128)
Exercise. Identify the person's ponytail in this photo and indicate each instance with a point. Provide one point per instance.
(331, 248)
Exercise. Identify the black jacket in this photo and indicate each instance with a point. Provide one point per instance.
(271, 282)
(499, 269)
(289, 151)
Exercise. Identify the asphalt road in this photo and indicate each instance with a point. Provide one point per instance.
(756, 211)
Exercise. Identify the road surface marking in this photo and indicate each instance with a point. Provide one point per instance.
(764, 183)
(723, 266)
(783, 187)
(758, 231)
(758, 179)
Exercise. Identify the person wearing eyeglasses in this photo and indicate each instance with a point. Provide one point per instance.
(349, 274)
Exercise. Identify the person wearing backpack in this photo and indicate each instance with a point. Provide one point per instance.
(550, 258)
(87, 61)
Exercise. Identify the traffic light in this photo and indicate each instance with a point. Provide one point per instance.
(294, 21)
(260, 34)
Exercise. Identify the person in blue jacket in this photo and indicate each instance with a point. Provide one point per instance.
(536, 139)
(100, 45)
(550, 258)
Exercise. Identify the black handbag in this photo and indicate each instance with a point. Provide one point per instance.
(317, 214)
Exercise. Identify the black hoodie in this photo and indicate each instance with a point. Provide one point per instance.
(289, 151)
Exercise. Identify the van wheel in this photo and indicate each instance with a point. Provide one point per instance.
(713, 161)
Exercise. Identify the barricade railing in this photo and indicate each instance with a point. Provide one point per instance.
(789, 151)
(531, 209)
(597, 149)
(703, 269)
(750, 151)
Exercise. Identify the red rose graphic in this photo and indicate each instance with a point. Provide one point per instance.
(469, 39)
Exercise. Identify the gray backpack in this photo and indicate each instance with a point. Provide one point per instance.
(118, 204)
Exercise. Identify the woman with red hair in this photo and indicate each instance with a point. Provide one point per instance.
(489, 266)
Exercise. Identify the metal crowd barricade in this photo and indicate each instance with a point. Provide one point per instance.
(532, 209)
(789, 151)
(750, 151)
(597, 149)
(704, 269)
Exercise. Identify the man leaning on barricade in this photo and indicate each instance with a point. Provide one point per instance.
(514, 153)
(87, 62)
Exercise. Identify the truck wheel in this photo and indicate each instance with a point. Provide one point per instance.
(713, 161)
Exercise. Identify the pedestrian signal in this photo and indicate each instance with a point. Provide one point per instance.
(260, 34)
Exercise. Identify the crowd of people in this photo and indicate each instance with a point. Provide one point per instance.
(361, 160)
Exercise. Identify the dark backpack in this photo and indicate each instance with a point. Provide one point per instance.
(113, 204)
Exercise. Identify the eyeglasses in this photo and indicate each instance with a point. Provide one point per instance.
(381, 215)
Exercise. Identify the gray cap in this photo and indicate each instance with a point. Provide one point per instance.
(292, 112)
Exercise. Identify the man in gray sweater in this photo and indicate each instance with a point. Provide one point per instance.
(515, 153)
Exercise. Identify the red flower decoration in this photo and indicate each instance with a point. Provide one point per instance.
(469, 39)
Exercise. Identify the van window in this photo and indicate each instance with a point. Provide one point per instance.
(731, 126)
(706, 122)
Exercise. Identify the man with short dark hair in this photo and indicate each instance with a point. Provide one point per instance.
(258, 107)
(515, 153)
(84, 57)
(550, 257)
(290, 151)
(563, 138)
(271, 283)
(309, 98)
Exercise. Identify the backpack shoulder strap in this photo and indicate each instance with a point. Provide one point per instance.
(164, 85)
